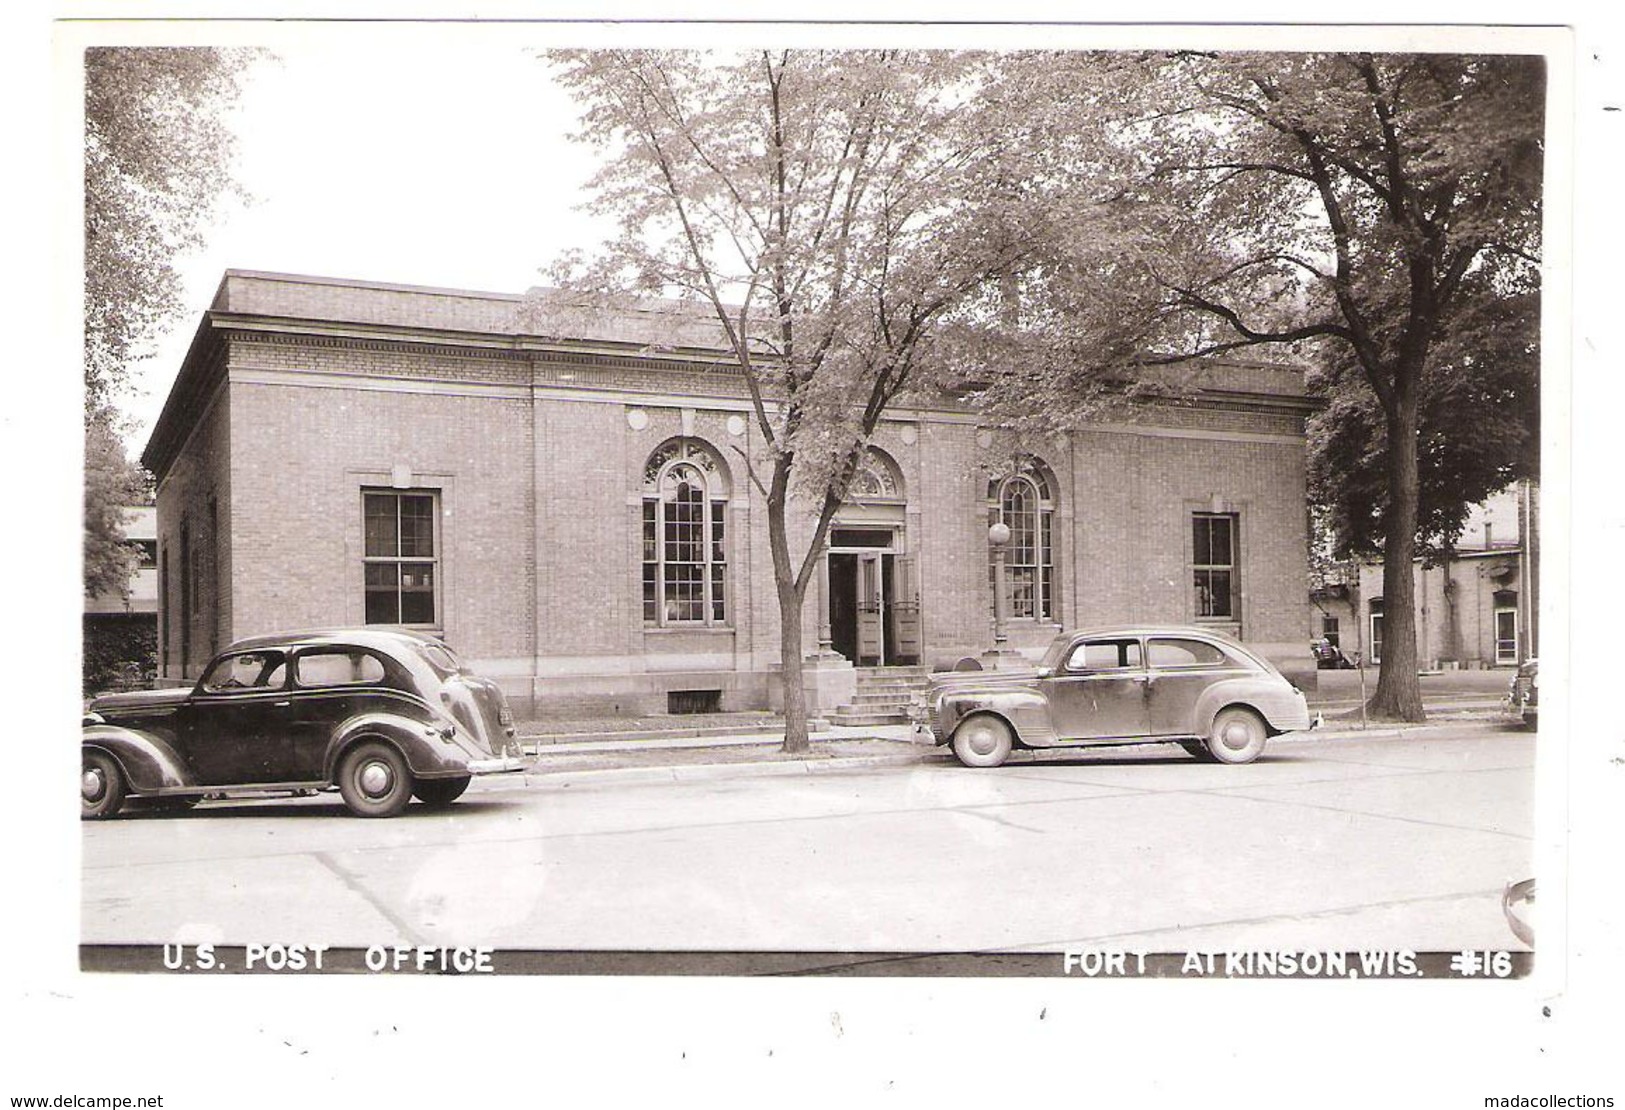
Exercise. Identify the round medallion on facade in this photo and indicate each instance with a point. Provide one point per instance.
(637, 419)
(736, 425)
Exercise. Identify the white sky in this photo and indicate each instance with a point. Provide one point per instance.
(406, 162)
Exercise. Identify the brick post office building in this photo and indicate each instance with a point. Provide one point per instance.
(568, 505)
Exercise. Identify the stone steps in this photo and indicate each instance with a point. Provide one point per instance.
(882, 696)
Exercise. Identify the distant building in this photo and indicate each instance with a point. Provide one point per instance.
(121, 630)
(1479, 607)
(568, 503)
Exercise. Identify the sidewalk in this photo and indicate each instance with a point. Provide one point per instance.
(718, 745)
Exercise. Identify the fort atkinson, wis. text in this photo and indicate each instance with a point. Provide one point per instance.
(1267, 964)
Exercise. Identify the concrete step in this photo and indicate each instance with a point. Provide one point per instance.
(871, 698)
(891, 683)
(846, 717)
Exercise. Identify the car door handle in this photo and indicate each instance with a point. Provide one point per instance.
(281, 704)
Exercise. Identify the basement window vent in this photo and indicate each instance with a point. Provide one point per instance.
(693, 701)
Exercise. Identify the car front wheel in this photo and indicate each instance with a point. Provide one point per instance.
(1237, 736)
(982, 740)
(101, 786)
(440, 792)
(375, 781)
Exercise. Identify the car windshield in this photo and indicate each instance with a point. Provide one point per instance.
(1057, 650)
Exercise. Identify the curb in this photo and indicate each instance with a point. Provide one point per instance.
(922, 754)
(544, 740)
(699, 772)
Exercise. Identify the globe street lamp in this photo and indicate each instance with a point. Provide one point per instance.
(998, 535)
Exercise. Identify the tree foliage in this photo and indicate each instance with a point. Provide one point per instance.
(1478, 430)
(836, 213)
(1381, 213)
(112, 484)
(158, 157)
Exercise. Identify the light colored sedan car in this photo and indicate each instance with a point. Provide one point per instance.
(1200, 689)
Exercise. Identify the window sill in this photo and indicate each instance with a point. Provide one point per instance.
(424, 629)
(671, 629)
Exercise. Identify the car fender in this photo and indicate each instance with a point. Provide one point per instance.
(150, 765)
(1026, 711)
(420, 743)
(1283, 710)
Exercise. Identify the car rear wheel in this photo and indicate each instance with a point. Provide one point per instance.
(101, 786)
(1238, 736)
(982, 740)
(440, 792)
(374, 780)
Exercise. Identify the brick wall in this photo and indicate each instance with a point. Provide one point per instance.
(303, 455)
(201, 477)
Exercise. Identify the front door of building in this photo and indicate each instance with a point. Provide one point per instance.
(871, 609)
(874, 603)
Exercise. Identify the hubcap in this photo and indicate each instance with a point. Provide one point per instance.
(375, 779)
(982, 741)
(91, 784)
(1236, 735)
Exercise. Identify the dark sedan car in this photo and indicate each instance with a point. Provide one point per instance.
(1200, 689)
(383, 715)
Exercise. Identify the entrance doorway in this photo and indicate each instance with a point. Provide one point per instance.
(874, 604)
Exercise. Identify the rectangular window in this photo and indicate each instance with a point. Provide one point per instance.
(1214, 547)
(402, 561)
(1328, 630)
(651, 562)
(1376, 630)
(719, 610)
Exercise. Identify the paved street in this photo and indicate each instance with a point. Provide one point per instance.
(1397, 842)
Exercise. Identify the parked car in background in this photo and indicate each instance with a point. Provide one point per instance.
(1200, 689)
(1523, 696)
(1518, 904)
(381, 715)
(1329, 657)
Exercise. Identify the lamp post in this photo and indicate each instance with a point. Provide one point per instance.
(998, 535)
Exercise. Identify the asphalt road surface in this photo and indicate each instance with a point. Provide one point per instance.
(1396, 843)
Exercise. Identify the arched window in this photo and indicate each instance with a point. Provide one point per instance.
(685, 503)
(1023, 501)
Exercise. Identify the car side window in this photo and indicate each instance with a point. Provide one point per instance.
(1183, 653)
(1104, 655)
(340, 667)
(249, 670)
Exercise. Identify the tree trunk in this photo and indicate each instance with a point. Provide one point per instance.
(796, 738)
(1399, 695)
